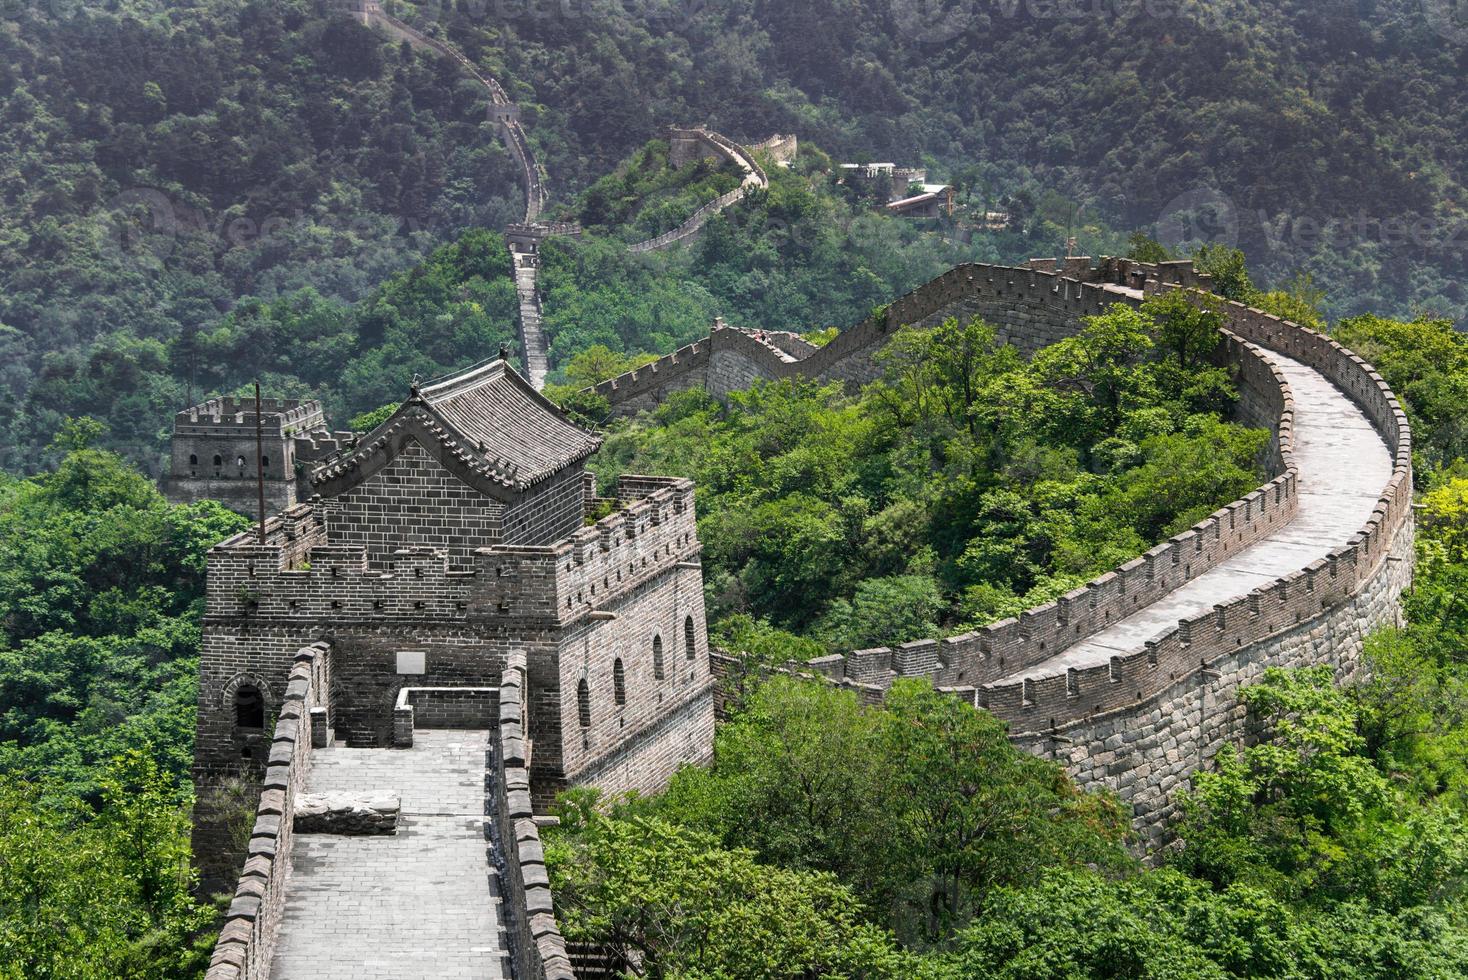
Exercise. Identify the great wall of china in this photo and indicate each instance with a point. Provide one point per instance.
(525, 236)
(1131, 681)
(524, 260)
(686, 145)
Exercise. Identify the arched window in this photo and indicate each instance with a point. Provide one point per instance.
(688, 636)
(583, 703)
(193, 459)
(619, 682)
(265, 461)
(218, 460)
(240, 462)
(657, 657)
(249, 707)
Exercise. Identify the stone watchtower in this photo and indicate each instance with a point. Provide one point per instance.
(453, 534)
(214, 451)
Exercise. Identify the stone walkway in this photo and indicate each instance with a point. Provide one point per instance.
(1343, 465)
(421, 905)
(532, 337)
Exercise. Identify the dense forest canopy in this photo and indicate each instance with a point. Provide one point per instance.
(172, 162)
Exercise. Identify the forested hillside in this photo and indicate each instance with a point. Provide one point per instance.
(167, 161)
(162, 161)
(1326, 129)
(963, 487)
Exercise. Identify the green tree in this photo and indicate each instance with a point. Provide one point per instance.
(686, 907)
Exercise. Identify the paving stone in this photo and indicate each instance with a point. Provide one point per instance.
(420, 905)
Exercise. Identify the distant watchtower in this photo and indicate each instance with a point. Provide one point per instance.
(214, 451)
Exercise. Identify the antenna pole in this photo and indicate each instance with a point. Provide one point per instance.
(259, 462)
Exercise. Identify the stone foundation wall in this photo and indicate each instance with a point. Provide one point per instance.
(239, 495)
(472, 708)
(1146, 753)
(646, 760)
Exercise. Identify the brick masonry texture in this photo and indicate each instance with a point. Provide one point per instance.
(274, 928)
(246, 941)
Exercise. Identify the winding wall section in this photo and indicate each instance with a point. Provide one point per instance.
(1131, 681)
(754, 178)
(525, 267)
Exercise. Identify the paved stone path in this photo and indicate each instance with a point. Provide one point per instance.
(532, 338)
(421, 905)
(1343, 465)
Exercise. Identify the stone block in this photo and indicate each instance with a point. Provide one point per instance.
(347, 814)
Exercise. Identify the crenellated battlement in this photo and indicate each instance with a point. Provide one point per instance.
(979, 664)
(278, 416)
(298, 576)
(1032, 307)
(655, 529)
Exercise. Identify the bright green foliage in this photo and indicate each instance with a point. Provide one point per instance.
(1226, 266)
(923, 807)
(761, 643)
(368, 421)
(1166, 926)
(1426, 363)
(1145, 249)
(101, 583)
(101, 588)
(1298, 301)
(1309, 815)
(98, 893)
(962, 484)
(591, 366)
(690, 908)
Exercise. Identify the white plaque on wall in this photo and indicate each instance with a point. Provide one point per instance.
(412, 662)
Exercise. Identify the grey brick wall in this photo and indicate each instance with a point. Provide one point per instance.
(413, 502)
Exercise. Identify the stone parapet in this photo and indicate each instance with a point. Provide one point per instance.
(443, 707)
(295, 577)
(246, 941)
(1317, 613)
(537, 949)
